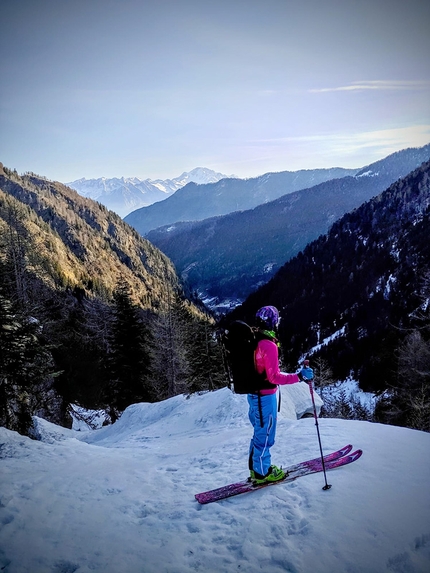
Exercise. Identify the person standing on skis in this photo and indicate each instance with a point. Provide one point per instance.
(263, 408)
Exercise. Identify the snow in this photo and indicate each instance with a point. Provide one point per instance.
(83, 419)
(368, 173)
(121, 499)
(327, 340)
(352, 391)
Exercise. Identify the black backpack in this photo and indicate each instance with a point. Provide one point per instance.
(240, 342)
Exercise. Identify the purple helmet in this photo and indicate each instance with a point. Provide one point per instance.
(268, 316)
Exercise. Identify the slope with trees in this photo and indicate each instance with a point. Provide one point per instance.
(358, 298)
(228, 257)
(81, 300)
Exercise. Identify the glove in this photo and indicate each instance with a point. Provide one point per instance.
(306, 373)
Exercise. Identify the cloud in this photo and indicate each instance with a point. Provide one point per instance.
(376, 85)
(348, 149)
(419, 133)
(352, 149)
(391, 139)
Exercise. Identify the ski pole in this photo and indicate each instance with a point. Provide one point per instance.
(326, 486)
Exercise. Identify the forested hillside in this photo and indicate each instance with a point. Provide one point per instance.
(91, 313)
(226, 258)
(358, 298)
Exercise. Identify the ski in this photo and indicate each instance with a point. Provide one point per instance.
(327, 458)
(290, 470)
(331, 461)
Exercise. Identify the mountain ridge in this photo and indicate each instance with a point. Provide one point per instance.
(191, 202)
(83, 244)
(224, 258)
(352, 296)
(125, 194)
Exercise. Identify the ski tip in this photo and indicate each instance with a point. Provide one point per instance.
(353, 456)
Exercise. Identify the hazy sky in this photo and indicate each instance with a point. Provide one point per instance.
(152, 88)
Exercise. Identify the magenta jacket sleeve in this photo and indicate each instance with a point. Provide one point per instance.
(267, 359)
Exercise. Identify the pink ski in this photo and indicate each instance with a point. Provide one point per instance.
(331, 461)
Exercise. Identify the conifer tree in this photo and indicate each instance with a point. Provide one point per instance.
(128, 364)
(80, 356)
(26, 368)
(206, 370)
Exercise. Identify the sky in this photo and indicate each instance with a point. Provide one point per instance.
(121, 499)
(153, 88)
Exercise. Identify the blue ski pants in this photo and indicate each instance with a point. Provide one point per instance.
(264, 433)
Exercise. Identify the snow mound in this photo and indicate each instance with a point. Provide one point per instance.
(196, 413)
(45, 431)
(297, 402)
(206, 412)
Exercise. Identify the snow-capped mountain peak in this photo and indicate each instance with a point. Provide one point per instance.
(126, 194)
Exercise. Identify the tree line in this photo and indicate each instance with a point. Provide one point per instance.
(60, 345)
(358, 297)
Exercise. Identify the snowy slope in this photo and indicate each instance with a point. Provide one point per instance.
(121, 499)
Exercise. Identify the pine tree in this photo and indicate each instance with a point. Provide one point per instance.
(408, 401)
(80, 356)
(205, 358)
(413, 389)
(26, 363)
(129, 362)
(26, 368)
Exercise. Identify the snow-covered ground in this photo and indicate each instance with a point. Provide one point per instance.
(121, 499)
(352, 392)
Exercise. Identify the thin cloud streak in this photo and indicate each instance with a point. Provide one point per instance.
(376, 85)
(351, 150)
(366, 138)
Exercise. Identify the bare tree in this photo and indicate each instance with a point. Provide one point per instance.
(414, 380)
(323, 375)
(170, 365)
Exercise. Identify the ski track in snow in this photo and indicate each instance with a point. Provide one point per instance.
(121, 499)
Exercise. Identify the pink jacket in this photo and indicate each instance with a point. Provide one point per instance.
(266, 359)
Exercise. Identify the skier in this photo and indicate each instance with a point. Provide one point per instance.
(263, 406)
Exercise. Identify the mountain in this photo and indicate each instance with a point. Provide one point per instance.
(125, 194)
(196, 202)
(354, 296)
(82, 244)
(91, 313)
(121, 499)
(226, 258)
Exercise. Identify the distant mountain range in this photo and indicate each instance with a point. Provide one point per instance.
(125, 194)
(194, 202)
(353, 295)
(225, 258)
